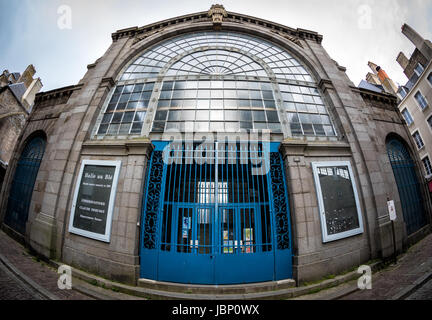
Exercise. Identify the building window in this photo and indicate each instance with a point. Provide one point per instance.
(126, 110)
(409, 120)
(402, 91)
(421, 100)
(427, 165)
(430, 121)
(418, 69)
(337, 199)
(430, 78)
(418, 140)
(216, 82)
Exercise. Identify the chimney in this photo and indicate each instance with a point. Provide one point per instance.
(28, 97)
(425, 47)
(402, 60)
(373, 78)
(373, 67)
(27, 76)
(387, 83)
(380, 77)
(4, 78)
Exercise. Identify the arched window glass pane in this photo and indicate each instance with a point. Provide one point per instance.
(216, 71)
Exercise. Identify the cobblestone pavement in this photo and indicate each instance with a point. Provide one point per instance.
(423, 293)
(13, 288)
(389, 282)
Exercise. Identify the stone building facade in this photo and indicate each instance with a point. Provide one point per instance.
(283, 230)
(17, 94)
(416, 97)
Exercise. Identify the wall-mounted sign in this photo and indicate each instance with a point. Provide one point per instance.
(94, 196)
(186, 226)
(338, 200)
(392, 210)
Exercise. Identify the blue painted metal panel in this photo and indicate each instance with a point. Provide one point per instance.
(151, 211)
(215, 217)
(281, 216)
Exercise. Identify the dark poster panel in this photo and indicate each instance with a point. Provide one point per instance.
(91, 207)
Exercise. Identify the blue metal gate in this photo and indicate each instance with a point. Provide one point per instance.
(23, 183)
(408, 185)
(214, 214)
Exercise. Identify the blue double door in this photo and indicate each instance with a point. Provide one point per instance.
(217, 244)
(219, 221)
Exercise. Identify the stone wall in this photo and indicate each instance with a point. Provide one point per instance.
(118, 259)
(416, 57)
(12, 119)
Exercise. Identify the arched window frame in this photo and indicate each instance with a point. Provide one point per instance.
(299, 104)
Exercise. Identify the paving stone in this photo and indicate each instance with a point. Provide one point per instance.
(37, 271)
(413, 265)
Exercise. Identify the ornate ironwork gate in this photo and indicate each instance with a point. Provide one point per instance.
(408, 185)
(23, 183)
(215, 214)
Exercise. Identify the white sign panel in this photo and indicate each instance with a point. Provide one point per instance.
(93, 202)
(392, 210)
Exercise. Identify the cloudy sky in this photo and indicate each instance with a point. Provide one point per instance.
(355, 31)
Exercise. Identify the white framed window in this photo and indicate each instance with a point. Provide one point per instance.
(421, 100)
(402, 91)
(419, 69)
(427, 165)
(430, 78)
(418, 140)
(407, 116)
(93, 201)
(338, 200)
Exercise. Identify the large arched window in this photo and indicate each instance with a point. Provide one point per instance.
(219, 81)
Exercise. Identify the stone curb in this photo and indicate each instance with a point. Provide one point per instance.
(411, 288)
(338, 280)
(217, 289)
(342, 293)
(157, 294)
(21, 276)
(92, 280)
(86, 290)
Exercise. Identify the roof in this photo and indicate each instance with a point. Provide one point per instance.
(18, 89)
(205, 16)
(16, 75)
(369, 86)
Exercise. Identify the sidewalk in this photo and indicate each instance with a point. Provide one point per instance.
(23, 276)
(24, 273)
(412, 269)
(396, 282)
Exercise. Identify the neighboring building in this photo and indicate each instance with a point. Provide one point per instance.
(114, 197)
(17, 94)
(416, 97)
